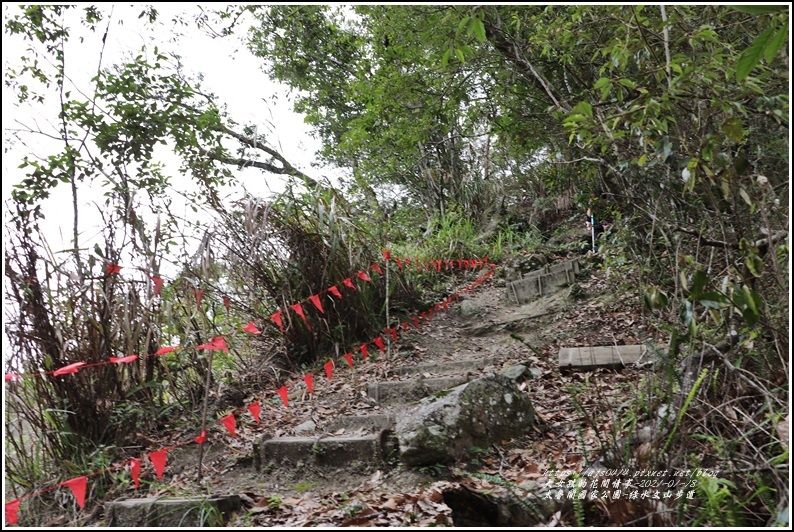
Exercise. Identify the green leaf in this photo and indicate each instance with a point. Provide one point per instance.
(754, 264)
(760, 10)
(583, 108)
(732, 127)
(627, 83)
(600, 83)
(459, 53)
(698, 282)
(745, 196)
(713, 300)
(775, 43)
(750, 57)
(479, 29)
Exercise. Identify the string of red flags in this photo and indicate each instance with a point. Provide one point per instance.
(114, 269)
(158, 459)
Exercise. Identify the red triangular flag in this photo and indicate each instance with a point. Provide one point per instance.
(123, 360)
(201, 438)
(12, 508)
(227, 303)
(135, 471)
(335, 291)
(377, 269)
(348, 283)
(329, 369)
(158, 284)
(349, 359)
(386, 254)
(364, 351)
(444, 304)
(309, 380)
(159, 459)
(12, 377)
(405, 326)
(77, 485)
(399, 262)
(216, 344)
(416, 321)
(363, 276)
(284, 395)
(164, 350)
(392, 332)
(113, 269)
(379, 342)
(251, 328)
(299, 311)
(229, 423)
(316, 300)
(71, 368)
(254, 409)
(277, 318)
(438, 265)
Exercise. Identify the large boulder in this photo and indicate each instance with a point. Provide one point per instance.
(475, 414)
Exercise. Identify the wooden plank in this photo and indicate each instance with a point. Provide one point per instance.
(600, 356)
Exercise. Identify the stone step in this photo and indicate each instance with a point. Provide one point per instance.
(446, 367)
(369, 422)
(535, 286)
(174, 512)
(602, 356)
(391, 392)
(352, 452)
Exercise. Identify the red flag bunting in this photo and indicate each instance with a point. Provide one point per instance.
(335, 291)
(416, 321)
(377, 269)
(230, 423)
(123, 360)
(316, 300)
(77, 485)
(309, 380)
(284, 395)
(135, 471)
(164, 350)
(329, 369)
(299, 311)
(449, 264)
(379, 342)
(466, 263)
(392, 332)
(364, 351)
(399, 262)
(405, 325)
(348, 283)
(113, 269)
(251, 328)
(349, 359)
(460, 264)
(277, 318)
(71, 368)
(159, 459)
(227, 303)
(386, 254)
(201, 438)
(437, 307)
(254, 409)
(12, 377)
(444, 304)
(12, 509)
(216, 344)
(158, 284)
(438, 265)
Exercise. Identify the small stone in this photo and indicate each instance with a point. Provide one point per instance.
(306, 426)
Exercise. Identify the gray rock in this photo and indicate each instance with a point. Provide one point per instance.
(536, 372)
(468, 309)
(306, 426)
(514, 373)
(475, 414)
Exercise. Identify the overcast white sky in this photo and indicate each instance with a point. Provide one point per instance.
(228, 69)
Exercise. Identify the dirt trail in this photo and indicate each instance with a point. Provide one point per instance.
(483, 325)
